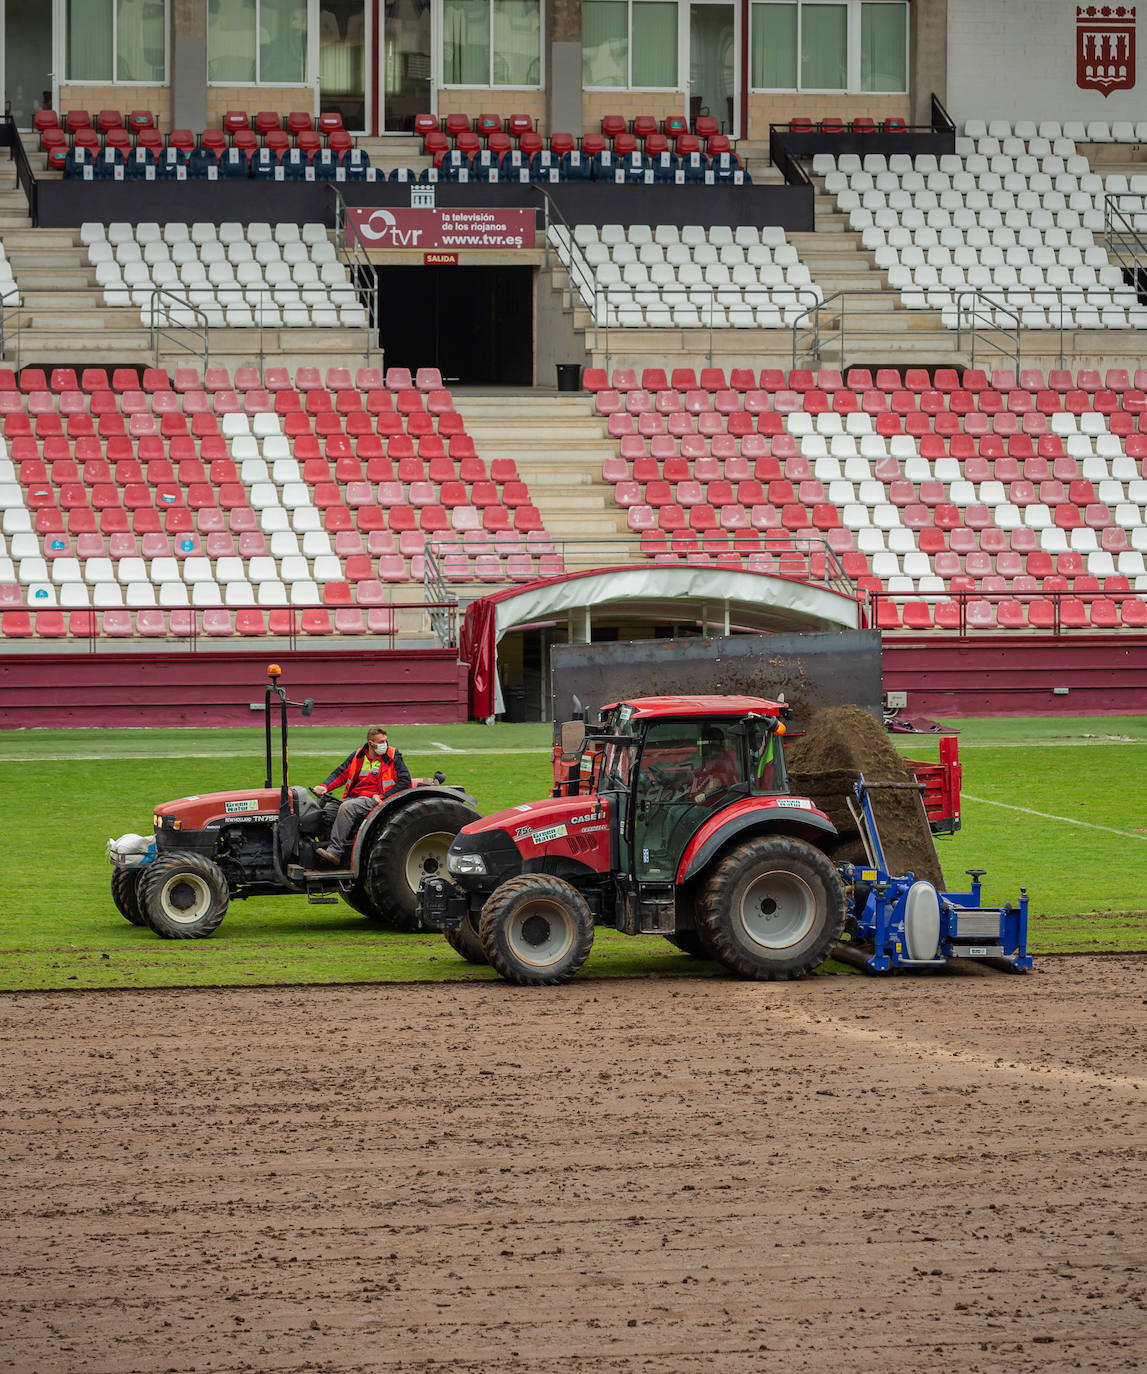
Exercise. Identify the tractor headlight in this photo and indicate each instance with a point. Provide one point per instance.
(465, 863)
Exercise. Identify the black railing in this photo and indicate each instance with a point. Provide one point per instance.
(24, 174)
(942, 121)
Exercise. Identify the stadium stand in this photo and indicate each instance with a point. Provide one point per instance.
(1014, 214)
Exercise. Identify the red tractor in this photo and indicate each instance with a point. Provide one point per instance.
(210, 849)
(672, 817)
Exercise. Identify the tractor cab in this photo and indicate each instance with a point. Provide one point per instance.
(673, 773)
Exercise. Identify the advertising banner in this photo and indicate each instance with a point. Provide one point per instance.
(476, 227)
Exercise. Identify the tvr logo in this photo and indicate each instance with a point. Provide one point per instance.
(381, 227)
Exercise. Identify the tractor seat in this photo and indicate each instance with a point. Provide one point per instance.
(309, 810)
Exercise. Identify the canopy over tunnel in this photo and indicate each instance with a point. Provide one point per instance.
(726, 601)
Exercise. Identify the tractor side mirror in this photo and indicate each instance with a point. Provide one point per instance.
(308, 705)
(572, 740)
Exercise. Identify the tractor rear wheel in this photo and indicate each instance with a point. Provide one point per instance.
(411, 842)
(183, 896)
(464, 941)
(772, 908)
(125, 894)
(536, 930)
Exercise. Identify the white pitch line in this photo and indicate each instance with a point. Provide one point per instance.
(233, 754)
(1050, 816)
(446, 748)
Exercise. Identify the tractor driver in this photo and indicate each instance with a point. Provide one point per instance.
(718, 767)
(371, 773)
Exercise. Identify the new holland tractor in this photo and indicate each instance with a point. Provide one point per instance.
(209, 849)
(673, 817)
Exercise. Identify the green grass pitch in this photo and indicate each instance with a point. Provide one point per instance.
(1057, 806)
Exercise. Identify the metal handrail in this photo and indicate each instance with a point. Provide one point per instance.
(989, 325)
(160, 294)
(963, 599)
(188, 621)
(355, 259)
(603, 311)
(1122, 240)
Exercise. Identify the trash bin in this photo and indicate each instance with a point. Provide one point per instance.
(569, 376)
(514, 700)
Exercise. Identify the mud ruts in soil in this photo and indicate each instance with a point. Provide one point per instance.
(841, 1174)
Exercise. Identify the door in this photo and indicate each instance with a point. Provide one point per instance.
(713, 64)
(27, 59)
(406, 65)
(688, 768)
(344, 41)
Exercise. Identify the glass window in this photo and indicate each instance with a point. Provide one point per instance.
(491, 43)
(766, 759)
(231, 42)
(605, 42)
(883, 47)
(517, 43)
(814, 45)
(629, 43)
(117, 40)
(141, 40)
(252, 42)
(654, 44)
(283, 41)
(466, 42)
(824, 47)
(774, 47)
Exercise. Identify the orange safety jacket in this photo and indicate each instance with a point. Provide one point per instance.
(370, 778)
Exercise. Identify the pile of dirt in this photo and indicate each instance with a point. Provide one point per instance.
(843, 742)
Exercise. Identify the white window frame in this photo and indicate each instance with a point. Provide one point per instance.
(61, 55)
(854, 57)
(686, 56)
(682, 53)
(310, 77)
(439, 48)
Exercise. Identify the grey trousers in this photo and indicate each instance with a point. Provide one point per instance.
(347, 817)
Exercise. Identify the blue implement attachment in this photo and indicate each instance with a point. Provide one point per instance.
(899, 922)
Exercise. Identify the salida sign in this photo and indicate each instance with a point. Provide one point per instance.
(433, 229)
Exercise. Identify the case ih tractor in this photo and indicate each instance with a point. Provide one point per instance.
(261, 841)
(672, 818)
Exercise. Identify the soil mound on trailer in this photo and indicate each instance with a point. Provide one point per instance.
(842, 743)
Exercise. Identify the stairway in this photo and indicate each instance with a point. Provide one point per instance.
(558, 444)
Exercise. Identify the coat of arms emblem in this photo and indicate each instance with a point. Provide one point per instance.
(1105, 48)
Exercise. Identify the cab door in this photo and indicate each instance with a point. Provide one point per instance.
(687, 770)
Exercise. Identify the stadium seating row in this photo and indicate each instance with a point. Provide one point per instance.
(1006, 231)
(648, 276)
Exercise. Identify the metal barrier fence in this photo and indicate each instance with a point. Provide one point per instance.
(1053, 623)
(184, 626)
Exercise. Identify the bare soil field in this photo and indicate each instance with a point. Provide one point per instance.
(836, 1175)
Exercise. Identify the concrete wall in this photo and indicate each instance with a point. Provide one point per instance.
(1013, 675)
(1015, 59)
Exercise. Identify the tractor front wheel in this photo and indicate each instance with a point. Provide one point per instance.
(125, 894)
(464, 941)
(536, 930)
(772, 908)
(411, 841)
(183, 896)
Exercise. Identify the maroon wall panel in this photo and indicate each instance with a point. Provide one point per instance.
(399, 686)
(1015, 675)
